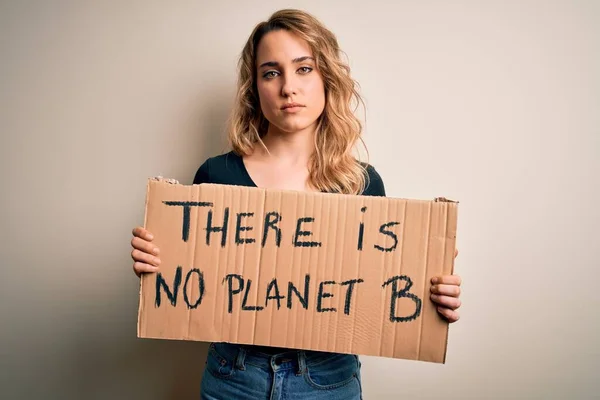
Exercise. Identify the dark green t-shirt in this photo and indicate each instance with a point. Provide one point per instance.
(229, 169)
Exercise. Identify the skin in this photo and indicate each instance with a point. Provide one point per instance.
(287, 73)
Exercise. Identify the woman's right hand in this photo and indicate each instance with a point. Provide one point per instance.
(144, 253)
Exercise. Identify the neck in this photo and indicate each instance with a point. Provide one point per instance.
(290, 148)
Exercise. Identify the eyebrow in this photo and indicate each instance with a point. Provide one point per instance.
(295, 60)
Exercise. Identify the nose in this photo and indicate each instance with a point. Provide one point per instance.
(289, 86)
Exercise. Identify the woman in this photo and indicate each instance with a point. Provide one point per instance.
(292, 128)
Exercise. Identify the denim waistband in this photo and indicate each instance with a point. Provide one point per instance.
(298, 360)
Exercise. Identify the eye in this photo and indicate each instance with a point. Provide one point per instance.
(270, 74)
(305, 70)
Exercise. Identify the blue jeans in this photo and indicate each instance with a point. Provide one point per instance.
(239, 372)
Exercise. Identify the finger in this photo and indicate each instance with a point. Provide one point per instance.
(450, 315)
(452, 303)
(142, 268)
(447, 290)
(140, 256)
(142, 233)
(447, 280)
(145, 246)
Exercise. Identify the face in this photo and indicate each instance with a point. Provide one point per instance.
(287, 75)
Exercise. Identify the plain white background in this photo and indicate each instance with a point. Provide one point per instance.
(492, 103)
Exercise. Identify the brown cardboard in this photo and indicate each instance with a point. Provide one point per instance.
(325, 248)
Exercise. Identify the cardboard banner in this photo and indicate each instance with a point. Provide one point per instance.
(315, 271)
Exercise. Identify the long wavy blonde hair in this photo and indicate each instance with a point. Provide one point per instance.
(333, 166)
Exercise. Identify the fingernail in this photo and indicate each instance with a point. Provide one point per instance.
(150, 236)
(434, 279)
(157, 261)
(433, 297)
(156, 250)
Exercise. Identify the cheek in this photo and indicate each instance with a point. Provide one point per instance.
(317, 93)
(314, 86)
(266, 93)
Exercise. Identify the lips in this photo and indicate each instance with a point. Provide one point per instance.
(291, 105)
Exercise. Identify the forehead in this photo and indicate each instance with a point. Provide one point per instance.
(281, 46)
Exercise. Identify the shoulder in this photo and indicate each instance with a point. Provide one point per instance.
(217, 169)
(374, 183)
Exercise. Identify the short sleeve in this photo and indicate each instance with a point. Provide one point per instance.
(203, 174)
(374, 184)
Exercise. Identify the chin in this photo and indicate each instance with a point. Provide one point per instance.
(291, 127)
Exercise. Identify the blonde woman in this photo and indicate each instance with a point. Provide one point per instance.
(292, 128)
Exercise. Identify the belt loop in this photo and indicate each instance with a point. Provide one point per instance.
(301, 362)
(239, 359)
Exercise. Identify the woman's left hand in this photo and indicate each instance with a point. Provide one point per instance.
(445, 292)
